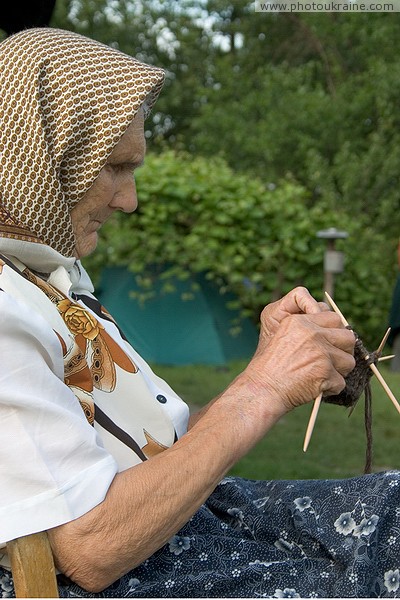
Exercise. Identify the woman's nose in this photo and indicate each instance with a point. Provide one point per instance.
(125, 198)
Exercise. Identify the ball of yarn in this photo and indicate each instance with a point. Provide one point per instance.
(357, 383)
(357, 379)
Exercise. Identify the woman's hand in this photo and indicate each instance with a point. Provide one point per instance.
(308, 354)
(303, 350)
(297, 301)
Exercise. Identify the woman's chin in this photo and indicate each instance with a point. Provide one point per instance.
(85, 247)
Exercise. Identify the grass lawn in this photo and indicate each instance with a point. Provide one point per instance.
(337, 448)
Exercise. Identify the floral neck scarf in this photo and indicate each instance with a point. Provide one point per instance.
(65, 100)
(101, 372)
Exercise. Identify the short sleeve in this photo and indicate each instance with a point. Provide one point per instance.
(53, 466)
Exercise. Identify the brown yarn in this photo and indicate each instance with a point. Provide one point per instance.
(357, 382)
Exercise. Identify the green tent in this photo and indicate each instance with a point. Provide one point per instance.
(167, 329)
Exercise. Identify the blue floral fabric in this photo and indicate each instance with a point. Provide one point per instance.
(276, 539)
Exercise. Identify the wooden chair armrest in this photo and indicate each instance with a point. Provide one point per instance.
(32, 566)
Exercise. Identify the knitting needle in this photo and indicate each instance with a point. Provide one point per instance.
(336, 309)
(371, 366)
(311, 422)
(317, 401)
(388, 357)
(384, 340)
(385, 386)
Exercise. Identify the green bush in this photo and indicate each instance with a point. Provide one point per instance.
(258, 241)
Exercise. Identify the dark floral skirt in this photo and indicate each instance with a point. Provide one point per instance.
(276, 539)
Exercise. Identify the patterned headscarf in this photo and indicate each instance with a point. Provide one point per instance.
(65, 100)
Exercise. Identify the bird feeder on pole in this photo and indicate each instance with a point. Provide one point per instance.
(333, 259)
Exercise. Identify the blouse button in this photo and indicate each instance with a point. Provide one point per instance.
(161, 398)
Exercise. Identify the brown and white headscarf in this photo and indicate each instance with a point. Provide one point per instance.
(65, 100)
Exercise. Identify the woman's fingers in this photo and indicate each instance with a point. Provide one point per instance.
(335, 339)
(343, 362)
(323, 306)
(341, 338)
(297, 301)
(334, 385)
(340, 342)
(309, 354)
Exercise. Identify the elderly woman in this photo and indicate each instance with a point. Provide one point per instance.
(95, 448)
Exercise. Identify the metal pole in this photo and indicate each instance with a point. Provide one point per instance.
(333, 260)
(329, 276)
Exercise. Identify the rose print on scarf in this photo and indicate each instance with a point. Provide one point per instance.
(78, 320)
(90, 361)
(100, 350)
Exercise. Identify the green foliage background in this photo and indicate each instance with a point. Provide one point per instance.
(270, 127)
(259, 241)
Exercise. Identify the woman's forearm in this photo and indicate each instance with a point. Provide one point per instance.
(148, 503)
(199, 414)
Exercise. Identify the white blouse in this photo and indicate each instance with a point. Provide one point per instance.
(62, 438)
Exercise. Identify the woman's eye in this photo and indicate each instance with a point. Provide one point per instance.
(124, 167)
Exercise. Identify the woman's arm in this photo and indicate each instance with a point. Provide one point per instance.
(150, 502)
(147, 504)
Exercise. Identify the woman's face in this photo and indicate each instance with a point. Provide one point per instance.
(114, 188)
